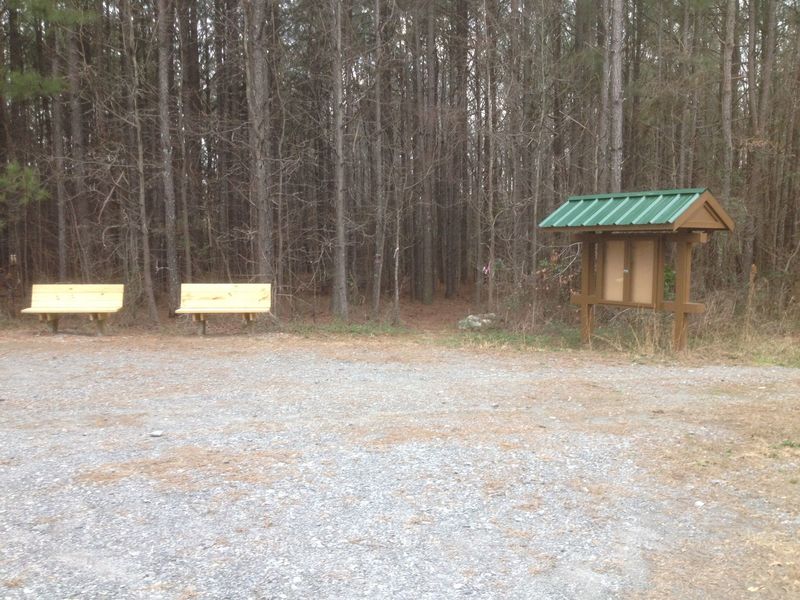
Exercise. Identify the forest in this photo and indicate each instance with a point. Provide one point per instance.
(382, 151)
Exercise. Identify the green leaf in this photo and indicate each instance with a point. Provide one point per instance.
(23, 85)
(20, 185)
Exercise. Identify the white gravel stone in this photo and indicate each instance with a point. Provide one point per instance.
(295, 469)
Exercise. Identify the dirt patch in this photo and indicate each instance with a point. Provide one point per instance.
(123, 420)
(191, 468)
(14, 583)
(374, 351)
(505, 429)
(750, 447)
(98, 421)
(756, 565)
(736, 457)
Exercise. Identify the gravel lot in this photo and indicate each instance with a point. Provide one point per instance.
(273, 466)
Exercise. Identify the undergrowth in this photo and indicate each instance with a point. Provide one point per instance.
(732, 328)
(342, 328)
(561, 337)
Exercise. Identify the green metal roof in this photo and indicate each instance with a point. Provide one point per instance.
(658, 208)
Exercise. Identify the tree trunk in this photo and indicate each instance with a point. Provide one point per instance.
(727, 99)
(768, 62)
(617, 16)
(130, 44)
(164, 45)
(339, 300)
(490, 154)
(380, 196)
(190, 104)
(58, 152)
(602, 168)
(81, 204)
(258, 104)
(429, 137)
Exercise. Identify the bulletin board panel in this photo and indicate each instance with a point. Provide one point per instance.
(643, 271)
(628, 270)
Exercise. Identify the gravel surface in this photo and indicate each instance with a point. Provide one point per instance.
(280, 467)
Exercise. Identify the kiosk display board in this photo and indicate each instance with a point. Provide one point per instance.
(625, 237)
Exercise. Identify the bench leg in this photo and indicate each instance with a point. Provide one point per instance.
(52, 322)
(200, 321)
(248, 322)
(99, 323)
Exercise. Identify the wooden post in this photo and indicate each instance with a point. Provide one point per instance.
(99, 322)
(626, 271)
(587, 288)
(658, 274)
(683, 274)
(52, 322)
(200, 321)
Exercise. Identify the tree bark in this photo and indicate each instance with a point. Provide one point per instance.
(58, 152)
(490, 147)
(168, 179)
(191, 169)
(81, 204)
(380, 196)
(727, 98)
(602, 166)
(339, 300)
(258, 103)
(429, 136)
(617, 15)
(130, 45)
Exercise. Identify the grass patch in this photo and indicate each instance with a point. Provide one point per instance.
(790, 444)
(561, 339)
(341, 328)
(775, 352)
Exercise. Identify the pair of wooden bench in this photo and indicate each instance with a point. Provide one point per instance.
(52, 301)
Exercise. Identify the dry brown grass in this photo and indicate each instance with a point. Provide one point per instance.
(120, 420)
(760, 482)
(761, 566)
(192, 468)
(99, 421)
(14, 583)
(468, 425)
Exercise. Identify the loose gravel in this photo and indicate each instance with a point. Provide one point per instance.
(280, 467)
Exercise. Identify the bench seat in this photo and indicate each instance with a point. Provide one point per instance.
(97, 300)
(237, 310)
(60, 310)
(203, 299)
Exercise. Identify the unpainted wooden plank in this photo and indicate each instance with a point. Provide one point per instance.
(643, 259)
(75, 298)
(225, 297)
(614, 271)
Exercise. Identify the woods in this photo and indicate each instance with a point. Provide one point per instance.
(370, 150)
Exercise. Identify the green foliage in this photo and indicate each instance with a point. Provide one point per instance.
(31, 14)
(669, 283)
(29, 84)
(52, 11)
(20, 186)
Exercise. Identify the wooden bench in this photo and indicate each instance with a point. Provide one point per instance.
(97, 300)
(203, 299)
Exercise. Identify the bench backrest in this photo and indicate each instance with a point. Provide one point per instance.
(226, 295)
(99, 297)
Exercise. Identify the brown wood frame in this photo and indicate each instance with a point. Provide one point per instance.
(593, 260)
